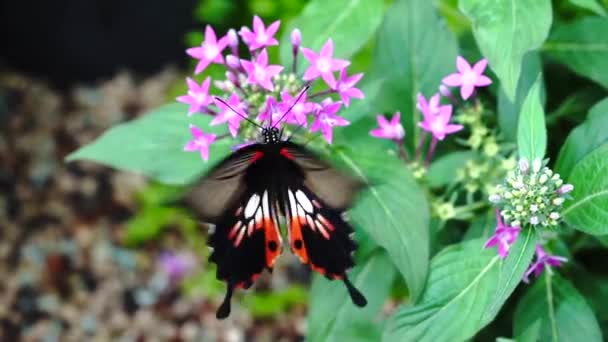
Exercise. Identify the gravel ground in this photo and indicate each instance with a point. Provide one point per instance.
(66, 275)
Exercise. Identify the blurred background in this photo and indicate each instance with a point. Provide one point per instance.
(87, 252)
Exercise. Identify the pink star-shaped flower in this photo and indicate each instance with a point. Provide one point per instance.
(543, 260)
(429, 108)
(346, 87)
(468, 78)
(259, 72)
(201, 142)
(389, 130)
(228, 115)
(439, 125)
(326, 119)
(323, 64)
(210, 50)
(261, 36)
(198, 96)
(504, 236)
(271, 112)
(298, 114)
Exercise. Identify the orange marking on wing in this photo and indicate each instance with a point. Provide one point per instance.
(298, 240)
(285, 153)
(271, 234)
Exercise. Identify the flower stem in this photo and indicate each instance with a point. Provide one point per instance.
(469, 207)
(402, 151)
(431, 151)
(294, 65)
(420, 144)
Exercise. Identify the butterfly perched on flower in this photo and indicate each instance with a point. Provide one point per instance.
(246, 195)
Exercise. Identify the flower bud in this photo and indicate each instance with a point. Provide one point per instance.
(558, 201)
(543, 179)
(534, 220)
(296, 39)
(554, 216)
(494, 198)
(533, 208)
(233, 39)
(445, 91)
(536, 165)
(233, 62)
(523, 165)
(564, 189)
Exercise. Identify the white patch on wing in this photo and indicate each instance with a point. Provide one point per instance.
(304, 201)
(252, 205)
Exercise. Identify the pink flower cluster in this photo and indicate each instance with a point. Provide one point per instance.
(262, 91)
(436, 117)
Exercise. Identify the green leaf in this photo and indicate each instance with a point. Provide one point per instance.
(508, 110)
(441, 172)
(505, 30)
(583, 139)
(588, 211)
(467, 286)
(334, 317)
(591, 5)
(393, 210)
(531, 130)
(154, 146)
(348, 23)
(583, 47)
(414, 51)
(560, 309)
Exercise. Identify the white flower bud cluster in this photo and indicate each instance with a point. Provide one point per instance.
(531, 194)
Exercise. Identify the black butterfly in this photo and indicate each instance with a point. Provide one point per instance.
(246, 193)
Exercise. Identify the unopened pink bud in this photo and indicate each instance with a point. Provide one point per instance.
(564, 189)
(296, 38)
(233, 39)
(445, 91)
(232, 62)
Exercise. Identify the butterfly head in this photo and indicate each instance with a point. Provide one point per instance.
(270, 135)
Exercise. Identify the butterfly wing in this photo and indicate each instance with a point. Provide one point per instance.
(237, 196)
(314, 203)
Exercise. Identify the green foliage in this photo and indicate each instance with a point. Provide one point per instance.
(583, 47)
(524, 24)
(588, 211)
(553, 310)
(531, 130)
(467, 287)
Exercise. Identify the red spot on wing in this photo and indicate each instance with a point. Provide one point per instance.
(297, 239)
(285, 153)
(271, 233)
(256, 156)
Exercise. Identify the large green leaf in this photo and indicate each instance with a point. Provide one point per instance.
(348, 23)
(508, 110)
(555, 311)
(393, 210)
(588, 211)
(505, 30)
(592, 5)
(531, 130)
(583, 139)
(467, 287)
(332, 315)
(154, 146)
(441, 172)
(583, 47)
(414, 51)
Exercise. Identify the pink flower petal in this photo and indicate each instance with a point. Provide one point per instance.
(462, 65)
(210, 37)
(329, 78)
(328, 49)
(396, 119)
(273, 28)
(258, 25)
(466, 91)
(452, 80)
(191, 146)
(309, 54)
(262, 59)
(311, 73)
(482, 81)
(480, 66)
(202, 65)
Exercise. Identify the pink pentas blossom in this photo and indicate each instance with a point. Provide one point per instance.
(198, 96)
(504, 236)
(261, 36)
(345, 87)
(543, 261)
(200, 142)
(428, 108)
(271, 112)
(227, 115)
(298, 113)
(210, 50)
(389, 129)
(259, 72)
(326, 119)
(439, 125)
(468, 78)
(323, 64)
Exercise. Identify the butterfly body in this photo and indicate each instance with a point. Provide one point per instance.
(246, 195)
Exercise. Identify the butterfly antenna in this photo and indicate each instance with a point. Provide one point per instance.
(293, 104)
(237, 113)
